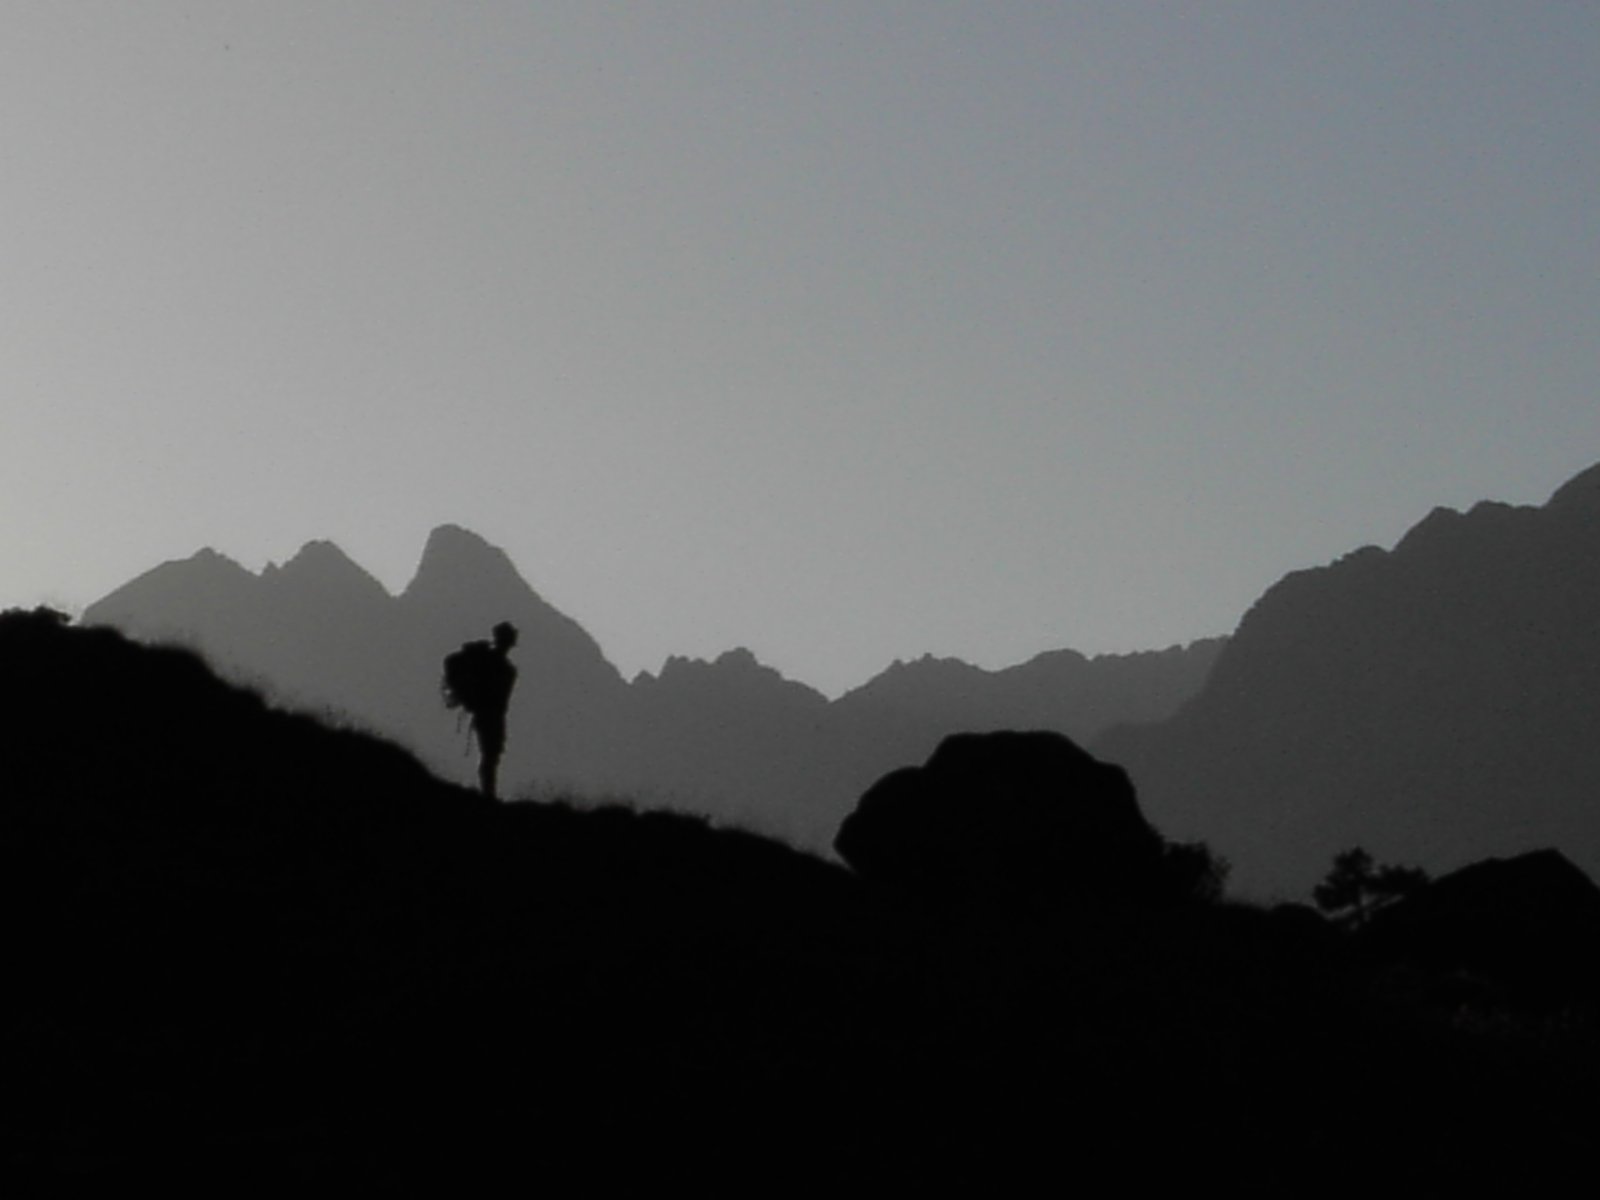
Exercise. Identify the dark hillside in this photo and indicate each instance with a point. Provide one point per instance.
(240, 930)
(247, 947)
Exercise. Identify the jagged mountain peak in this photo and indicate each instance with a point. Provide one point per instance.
(1064, 657)
(1581, 493)
(1427, 702)
(324, 565)
(453, 545)
(209, 558)
(738, 666)
(450, 538)
(457, 563)
(464, 584)
(930, 664)
(205, 564)
(319, 554)
(1440, 521)
(173, 586)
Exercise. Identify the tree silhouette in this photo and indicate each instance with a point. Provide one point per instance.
(1356, 887)
(1194, 871)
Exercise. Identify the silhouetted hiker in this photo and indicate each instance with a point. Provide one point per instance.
(479, 678)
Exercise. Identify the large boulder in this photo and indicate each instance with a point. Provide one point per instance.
(1003, 815)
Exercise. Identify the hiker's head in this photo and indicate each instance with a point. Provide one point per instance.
(505, 635)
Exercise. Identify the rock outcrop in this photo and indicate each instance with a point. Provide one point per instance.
(1006, 815)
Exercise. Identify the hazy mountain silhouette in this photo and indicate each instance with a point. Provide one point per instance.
(322, 633)
(1435, 703)
(1059, 689)
(242, 945)
(566, 689)
(736, 738)
(903, 714)
(1432, 702)
(731, 738)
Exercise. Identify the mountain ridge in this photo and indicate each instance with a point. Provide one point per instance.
(731, 737)
(1429, 702)
(1426, 700)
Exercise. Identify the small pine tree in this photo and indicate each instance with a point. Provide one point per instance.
(1356, 887)
(1194, 871)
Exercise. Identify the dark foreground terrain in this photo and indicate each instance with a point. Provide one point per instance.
(244, 947)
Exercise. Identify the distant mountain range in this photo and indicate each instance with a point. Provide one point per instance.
(1435, 703)
(732, 737)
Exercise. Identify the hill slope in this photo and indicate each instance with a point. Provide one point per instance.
(246, 946)
(1435, 703)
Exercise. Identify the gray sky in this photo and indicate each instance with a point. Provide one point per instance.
(843, 331)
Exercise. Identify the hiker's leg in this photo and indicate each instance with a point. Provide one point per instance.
(492, 742)
(488, 769)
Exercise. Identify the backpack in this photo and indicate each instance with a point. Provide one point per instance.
(465, 672)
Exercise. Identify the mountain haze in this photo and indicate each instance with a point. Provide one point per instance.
(320, 632)
(731, 737)
(913, 704)
(1434, 703)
